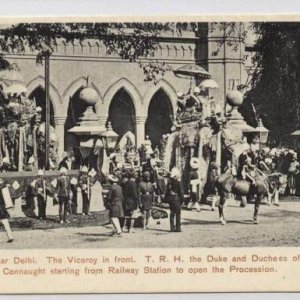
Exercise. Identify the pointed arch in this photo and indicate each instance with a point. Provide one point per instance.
(122, 113)
(74, 86)
(129, 87)
(55, 97)
(160, 117)
(167, 88)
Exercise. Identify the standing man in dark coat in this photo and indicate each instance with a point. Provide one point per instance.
(64, 194)
(174, 195)
(115, 199)
(146, 191)
(68, 163)
(131, 200)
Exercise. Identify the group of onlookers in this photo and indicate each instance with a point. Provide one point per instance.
(270, 161)
(132, 196)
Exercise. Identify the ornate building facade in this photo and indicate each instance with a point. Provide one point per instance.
(125, 99)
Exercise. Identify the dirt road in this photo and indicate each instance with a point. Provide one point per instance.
(279, 226)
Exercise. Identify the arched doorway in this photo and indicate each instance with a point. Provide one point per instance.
(160, 117)
(38, 95)
(76, 108)
(122, 113)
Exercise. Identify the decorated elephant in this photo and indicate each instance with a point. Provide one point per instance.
(188, 149)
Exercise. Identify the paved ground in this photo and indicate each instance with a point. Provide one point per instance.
(279, 226)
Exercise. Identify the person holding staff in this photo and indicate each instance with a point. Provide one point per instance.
(5, 202)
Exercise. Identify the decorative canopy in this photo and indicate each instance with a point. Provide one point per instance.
(192, 70)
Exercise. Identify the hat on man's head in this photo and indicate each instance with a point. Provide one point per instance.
(40, 173)
(63, 171)
(255, 140)
(112, 178)
(84, 169)
(31, 160)
(268, 160)
(197, 90)
(175, 173)
(194, 163)
(38, 109)
(5, 160)
(92, 173)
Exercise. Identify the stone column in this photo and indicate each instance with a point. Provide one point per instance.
(140, 122)
(59, 122)
(103, 120)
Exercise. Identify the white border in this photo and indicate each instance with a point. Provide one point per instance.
(145, 7)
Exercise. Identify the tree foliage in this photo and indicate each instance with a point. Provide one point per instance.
(275, 82)
(131, 41)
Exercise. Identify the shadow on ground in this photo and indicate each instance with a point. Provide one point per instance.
(25, 223)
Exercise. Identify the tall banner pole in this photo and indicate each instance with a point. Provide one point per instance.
(47, 119)
(219, 151)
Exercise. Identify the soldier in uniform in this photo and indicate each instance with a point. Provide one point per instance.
(69, 163)
(174, 196)
(40, 194)
(85, 184)
(115, 200)
(249, 172)
(64, 194)
(131, 200)
(146, 191)
(4, 215)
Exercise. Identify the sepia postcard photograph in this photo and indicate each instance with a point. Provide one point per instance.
(160, 154)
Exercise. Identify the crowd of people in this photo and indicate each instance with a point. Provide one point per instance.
(131, 190)
(132, 196)
(137, 186)
(270, 161)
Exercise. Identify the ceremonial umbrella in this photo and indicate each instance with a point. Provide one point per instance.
(192, 70)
